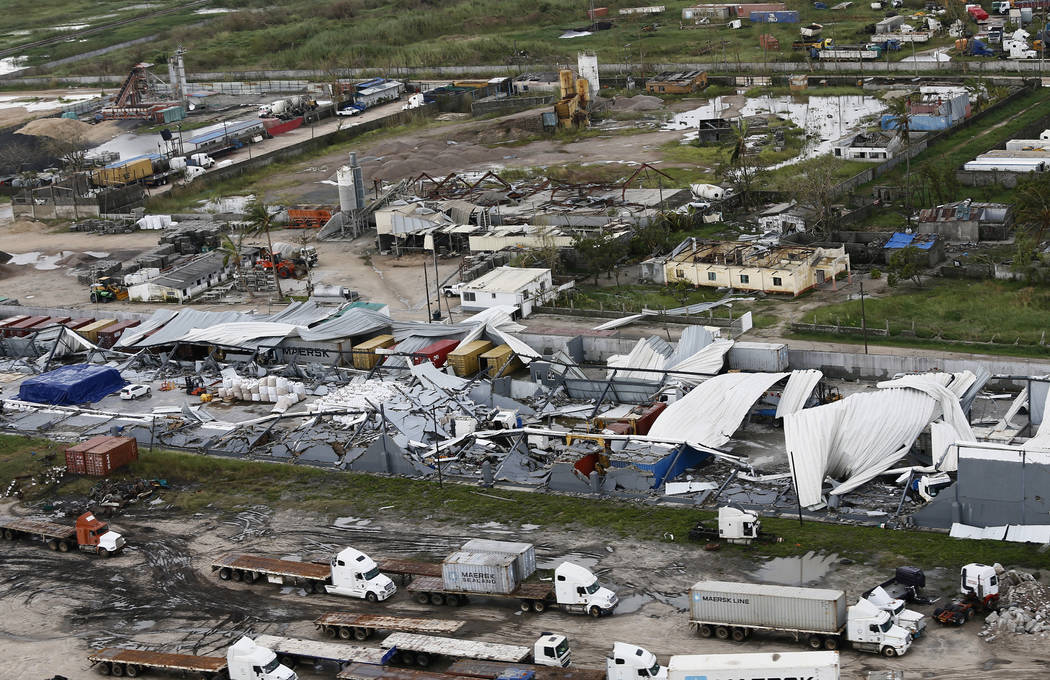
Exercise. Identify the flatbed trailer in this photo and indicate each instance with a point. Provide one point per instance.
(290, 651)
(250, 568)
(409, 569)
(347, 625)
(422, 650)
(490, 670)
(364, 671)
(133, 662)
(534, 596)
(60, 537)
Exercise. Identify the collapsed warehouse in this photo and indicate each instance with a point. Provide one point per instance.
(707, 419)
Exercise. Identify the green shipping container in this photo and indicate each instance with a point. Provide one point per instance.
(173, 114)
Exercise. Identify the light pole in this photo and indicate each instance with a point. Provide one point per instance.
(863, 317)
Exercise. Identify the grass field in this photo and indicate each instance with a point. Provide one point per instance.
(383, 34)
(203, 483)
(948, 309)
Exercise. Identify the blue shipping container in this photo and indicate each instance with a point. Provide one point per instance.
(784, 17)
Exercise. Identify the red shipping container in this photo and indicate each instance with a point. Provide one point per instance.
(22, 328)
(79, 323)
(53, 321)
(437, 353)
(99, 456)
(648, 417)
(593, 14)
(108, 336)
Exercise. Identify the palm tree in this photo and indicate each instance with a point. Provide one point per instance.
(900, 109)
(230, 247)
(259, 222)
(1032, 207)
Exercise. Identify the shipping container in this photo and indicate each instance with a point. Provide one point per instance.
(107, 337)
(783, 17)
(744, 10)
(171, 114)
(720, 12)
(593, 14)
(500, 361)
(809, 665)
(365, 357)
(466, 358)
(10, 321)
(767, 357)
(124, 173)
(809, 610)
(524, 553)
(768, 42)
(436, 353)
(25, 326)
(99, 456)
(471, 572)
(90, 331)
(308, 218)
(53, 321)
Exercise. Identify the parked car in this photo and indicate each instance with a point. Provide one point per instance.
(134, 391)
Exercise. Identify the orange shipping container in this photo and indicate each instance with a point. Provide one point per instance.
(99, 456)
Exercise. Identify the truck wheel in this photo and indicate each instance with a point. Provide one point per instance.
(831, 643)
(53, 544)
(739, 634)
(360, 634)
(889, 652)
(423, 598)
(63, 546)
(705, 631)
(525, 605)
(722, 633)
(345, 633)
(132, 670)
(331, 631)
(238, 575)
(371, 597)
(118, 670)
(595, 612)
(422, 660)
(970, 613)
(815, 642)
(437, 599)
(224, 573)
(9, 535)
(539, 606)
(103, 553)
(289, 662)
(408, 658)
(104, 668)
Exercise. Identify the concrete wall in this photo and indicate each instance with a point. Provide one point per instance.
(508, 105)
(972, 178)
(885, 366)
(99, 311)
(50, 211)
(963, 231)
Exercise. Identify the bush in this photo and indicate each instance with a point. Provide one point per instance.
(876, 274)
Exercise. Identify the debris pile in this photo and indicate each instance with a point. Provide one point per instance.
(114, 494)
(359, 395)
(1025, 606)
(104, 226)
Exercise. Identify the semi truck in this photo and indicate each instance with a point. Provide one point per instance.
(978, 592)
(347, 625)
(421, 650)
(734, 526)
(88, 534)
(244, 660)
(351, 573)
(630, 662)
(819, 616)
(909, 620)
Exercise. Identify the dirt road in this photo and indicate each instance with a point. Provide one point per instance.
(161, 592)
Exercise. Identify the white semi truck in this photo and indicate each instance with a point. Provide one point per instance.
(819, 616)
(630, 662)
(350, 573)
(245, 660)
(909, 620)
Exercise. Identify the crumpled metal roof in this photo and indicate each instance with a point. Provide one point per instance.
(799, 386)
(353, 322)
(708, 361)
(712, 411)
(188, 320)
(301, 313)
(239, 332)
(133, 335)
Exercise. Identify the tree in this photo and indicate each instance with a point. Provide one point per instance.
(597, 255)
(906, 263)
(71, 149)
(742, 169)
(230, 247)
(259, 222)
(813, 186)
(1031, 202)
(900, 109)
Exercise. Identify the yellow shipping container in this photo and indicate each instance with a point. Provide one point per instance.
(500, 361)
(90, 331)
(465, 359)
(124, 174)
(365, 357)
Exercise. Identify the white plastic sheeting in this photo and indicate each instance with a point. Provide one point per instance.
(712, 411)
(1015, 533)
(799, 386)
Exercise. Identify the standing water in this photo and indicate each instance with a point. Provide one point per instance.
(795, 571)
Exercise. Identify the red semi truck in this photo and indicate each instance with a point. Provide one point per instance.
(88, 534)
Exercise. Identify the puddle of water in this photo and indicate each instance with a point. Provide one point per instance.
(145, 624)
(213, 10)
(230, 204)
(679, 601)
(586, 560)
(690, 119)
(96, 253)
(795, 571)
(39, 260)
(350, 522)
(12, 64)
(632, 603)
(530, 527)
(69, 27)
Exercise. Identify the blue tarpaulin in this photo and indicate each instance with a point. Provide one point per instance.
(69, 385)
(903, 240)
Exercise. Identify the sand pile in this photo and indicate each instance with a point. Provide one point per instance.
(639, 102)
(68, 128)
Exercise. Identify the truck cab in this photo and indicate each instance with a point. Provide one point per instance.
(576, 588)
(738, 526)
(94, 535)
(980, 582)
(871, 629)
(911, 621)
(551, 650)
(246, 660)
(355, 574)
(630, 662)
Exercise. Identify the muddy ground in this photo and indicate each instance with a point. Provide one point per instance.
(160, 593)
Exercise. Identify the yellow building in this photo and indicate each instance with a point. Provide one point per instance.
(749, 266)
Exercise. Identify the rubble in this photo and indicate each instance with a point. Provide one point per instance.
(1024, 606)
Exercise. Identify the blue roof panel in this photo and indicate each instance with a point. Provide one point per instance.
(903, 240)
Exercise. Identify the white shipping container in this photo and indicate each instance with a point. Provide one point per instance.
(810, 610)
(769, 357)
(755, 666)
(524, 553)
(479, 572)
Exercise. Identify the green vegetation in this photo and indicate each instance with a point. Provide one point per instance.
(998, 312)
(200, 483)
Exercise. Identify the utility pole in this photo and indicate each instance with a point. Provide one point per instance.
(863, 317)
(426, 288)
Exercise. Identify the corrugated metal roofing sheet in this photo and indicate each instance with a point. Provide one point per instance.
(351, 323)
(132, 336)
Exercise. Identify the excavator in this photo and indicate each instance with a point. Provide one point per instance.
(108, 289)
